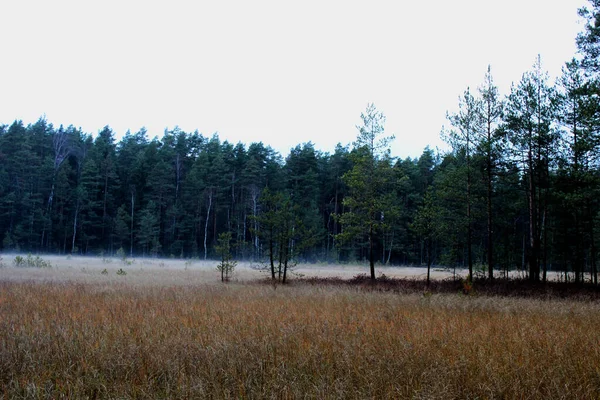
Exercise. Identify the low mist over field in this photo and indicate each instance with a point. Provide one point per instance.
(161, 271)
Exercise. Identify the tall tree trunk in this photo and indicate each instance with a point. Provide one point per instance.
(131, 228)
(65, 240)
(578, 250)
(280, 266)
(215, 222)
(178, 174)
(534, 274)
(594, 269)
(254, 196)
(383, 249)
(104, 201)
(244, 233)
(490, 229)
(47, 215)
(271, 252)
(371, 252)
(469, 225)
(545, 241)
(390, 249)
(428, 260)
(335, 210)
(286, 259)
(576, 209)
(210, 195)
(75, 227)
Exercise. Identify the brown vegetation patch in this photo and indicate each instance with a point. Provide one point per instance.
(118, 340)
(511, 287)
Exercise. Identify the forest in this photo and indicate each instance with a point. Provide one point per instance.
(518, 189)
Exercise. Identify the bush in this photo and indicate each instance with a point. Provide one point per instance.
(31, 262)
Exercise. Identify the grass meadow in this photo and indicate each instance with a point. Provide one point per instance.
(178, 332)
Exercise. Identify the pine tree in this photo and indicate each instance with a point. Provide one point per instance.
(490, 146)
(366, 183)
(467, 124)
(529, 118)
(223, 249)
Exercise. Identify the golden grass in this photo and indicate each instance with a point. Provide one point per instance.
(119, 340)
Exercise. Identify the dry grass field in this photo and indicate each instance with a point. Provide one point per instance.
(174, 331)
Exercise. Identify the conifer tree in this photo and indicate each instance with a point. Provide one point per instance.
(367, 182)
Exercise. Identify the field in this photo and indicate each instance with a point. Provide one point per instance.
(170, 329)
(176, 271)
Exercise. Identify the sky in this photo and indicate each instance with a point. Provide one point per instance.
(278, 72)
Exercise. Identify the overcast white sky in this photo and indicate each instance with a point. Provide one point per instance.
(279, 72)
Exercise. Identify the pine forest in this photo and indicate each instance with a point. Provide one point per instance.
(518, 188)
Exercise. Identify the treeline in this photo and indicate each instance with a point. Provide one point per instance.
(517, 190)
(61, 190)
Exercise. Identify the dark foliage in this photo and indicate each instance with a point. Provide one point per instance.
(505, 287)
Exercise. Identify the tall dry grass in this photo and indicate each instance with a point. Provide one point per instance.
(117, 340)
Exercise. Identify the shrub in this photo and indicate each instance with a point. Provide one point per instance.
(31, 262)
(19, 261)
